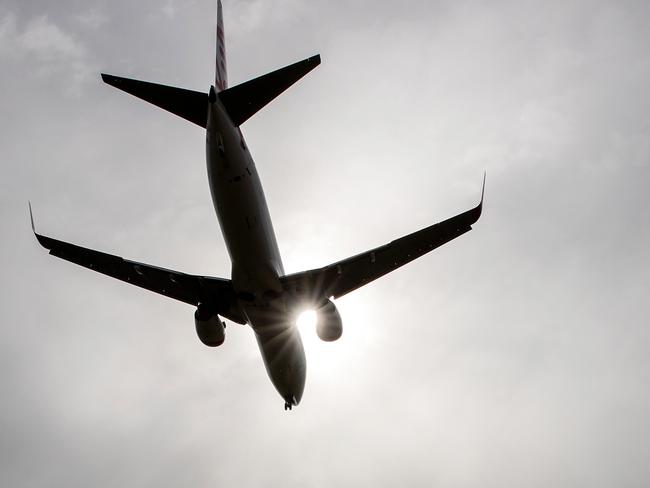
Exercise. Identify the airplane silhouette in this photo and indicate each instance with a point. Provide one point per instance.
(259, 293)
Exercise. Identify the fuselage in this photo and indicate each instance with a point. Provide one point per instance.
(256, 263)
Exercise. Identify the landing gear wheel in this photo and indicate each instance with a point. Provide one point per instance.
(287, 406)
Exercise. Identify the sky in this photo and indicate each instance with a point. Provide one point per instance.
(516, 355)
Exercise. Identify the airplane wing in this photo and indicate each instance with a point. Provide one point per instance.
(342, 277)
(191, 289)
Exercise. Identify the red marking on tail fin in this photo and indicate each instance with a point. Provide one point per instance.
(221, 74)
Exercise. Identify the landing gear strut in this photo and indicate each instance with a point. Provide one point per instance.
(287, 406)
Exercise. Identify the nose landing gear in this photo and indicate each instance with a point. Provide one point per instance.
(287, 406)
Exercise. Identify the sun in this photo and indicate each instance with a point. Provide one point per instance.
(321, 356)
(327, 361)
(307, 321)
(332, 361)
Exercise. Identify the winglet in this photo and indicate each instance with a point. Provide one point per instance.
(31, 217)
(483, 189)
(479, 208)
(474, 214)
(46, 242)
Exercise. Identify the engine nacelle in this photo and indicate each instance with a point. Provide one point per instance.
(209, 327)
(329, 325)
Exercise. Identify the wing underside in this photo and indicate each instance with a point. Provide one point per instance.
(187, 288)
(313, 286)
(342, 277)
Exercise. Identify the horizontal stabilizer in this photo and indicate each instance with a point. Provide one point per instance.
(244, 100)
(190, 105)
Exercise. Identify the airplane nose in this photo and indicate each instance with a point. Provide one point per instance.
(293, 394)
(293, 389)
(291, 401)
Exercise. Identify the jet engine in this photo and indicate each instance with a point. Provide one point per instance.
(329, 326)
(209, 327)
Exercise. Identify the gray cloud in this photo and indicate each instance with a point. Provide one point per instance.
(516, 355)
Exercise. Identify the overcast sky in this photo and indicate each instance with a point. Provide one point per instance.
(517, 355)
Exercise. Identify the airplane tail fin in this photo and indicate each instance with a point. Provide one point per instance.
(188, 104)
(244, 100)
(241, 101)
(221, 73)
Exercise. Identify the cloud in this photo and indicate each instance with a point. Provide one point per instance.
(516, 354)
(169, 9)
(49, 42)
(251, 16)
(52, 49)
(92, 19)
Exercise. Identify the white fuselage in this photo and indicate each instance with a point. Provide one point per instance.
(256, 264)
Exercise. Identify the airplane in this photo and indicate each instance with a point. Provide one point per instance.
(259, 293)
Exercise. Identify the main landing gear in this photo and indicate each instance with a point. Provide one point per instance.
(287, 406)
